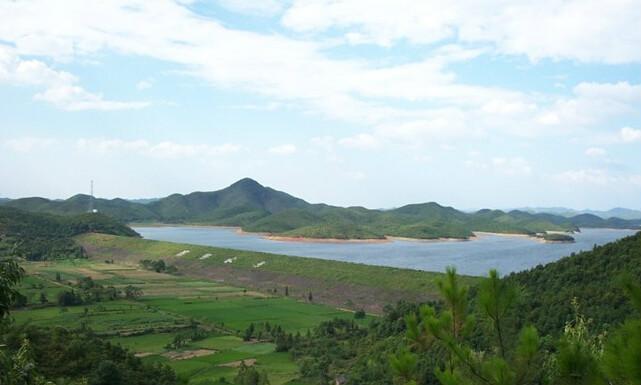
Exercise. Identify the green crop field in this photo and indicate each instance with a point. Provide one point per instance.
(169, 304)
(237, 313)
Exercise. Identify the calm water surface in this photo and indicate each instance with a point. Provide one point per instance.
(506, 254)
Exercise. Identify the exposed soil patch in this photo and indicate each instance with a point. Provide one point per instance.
(236, 364)
(187, 354)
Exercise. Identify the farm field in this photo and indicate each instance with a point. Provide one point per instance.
(169, 306)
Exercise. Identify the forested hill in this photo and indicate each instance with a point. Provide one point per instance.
(257, 208)
(592, 277)
(36, 236)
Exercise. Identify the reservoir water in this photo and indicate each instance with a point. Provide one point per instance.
(504, 253)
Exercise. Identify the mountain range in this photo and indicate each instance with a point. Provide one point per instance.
(617, 212)
(256, 208)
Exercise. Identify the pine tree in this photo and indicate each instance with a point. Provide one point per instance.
(622, 353)
(510, 362)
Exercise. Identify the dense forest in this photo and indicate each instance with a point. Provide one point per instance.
(592, 277)
(37, 355)
(257, 208)
(35, 236)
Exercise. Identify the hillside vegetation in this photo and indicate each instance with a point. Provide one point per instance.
(35, 236)
(256, 208)
(592, 277)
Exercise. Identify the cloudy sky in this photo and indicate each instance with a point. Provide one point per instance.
(485, 103)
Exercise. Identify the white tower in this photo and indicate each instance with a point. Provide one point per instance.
(91, 198)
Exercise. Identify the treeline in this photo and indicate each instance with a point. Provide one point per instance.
(159, 266)
(87, 291)
(265, 332)
(32, 356)
(83, 292)
(38, 237)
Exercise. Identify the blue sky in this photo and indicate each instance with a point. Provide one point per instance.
(350, 102)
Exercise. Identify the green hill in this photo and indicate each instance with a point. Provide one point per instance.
(257, 208)
(78, 204)
(591, 277)
(35, 236)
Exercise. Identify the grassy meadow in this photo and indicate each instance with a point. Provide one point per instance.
(169, 304)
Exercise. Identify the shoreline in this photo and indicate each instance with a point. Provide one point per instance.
(516, 235)
(476, 235)
(431, 240)
(323, 240)
(136, 224)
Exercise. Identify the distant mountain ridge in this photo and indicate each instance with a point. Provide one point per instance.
(617, 212)
(256, 208)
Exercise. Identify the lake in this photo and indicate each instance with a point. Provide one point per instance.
(505, 253)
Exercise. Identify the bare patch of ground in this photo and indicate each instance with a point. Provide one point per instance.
(236, 364)
(187, 354)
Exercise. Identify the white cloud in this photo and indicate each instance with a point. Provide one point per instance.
(585, 30)
(509, 166)
(592, 103)
(28, 144)
(360, 141)
(512, 166)
(586, 176)
(60, 88)
(420, 101)
(284, 149)
(271, 65)
(630, 135)
(144, 84)
(595, 152)
(253, 7)
(355, 175)
(327, 143)
(161, 150)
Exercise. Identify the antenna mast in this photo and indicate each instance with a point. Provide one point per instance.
(91, 208)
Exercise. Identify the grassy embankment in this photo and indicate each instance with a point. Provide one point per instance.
(340, 284)
(167, 307)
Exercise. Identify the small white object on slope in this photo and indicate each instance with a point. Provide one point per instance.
(205, 256)
(230, 260)
(182, 253)
(259, 264)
